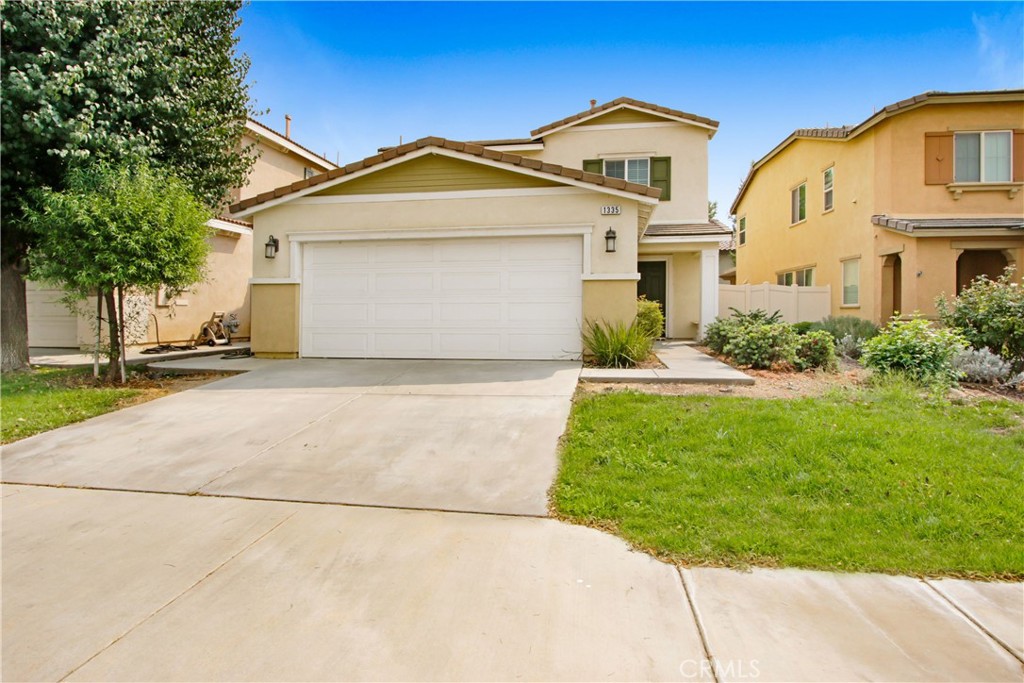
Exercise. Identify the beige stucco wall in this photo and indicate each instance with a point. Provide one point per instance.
(602, 299)
(686, 144)
(684, 284)
(275, 326)
(273, 168)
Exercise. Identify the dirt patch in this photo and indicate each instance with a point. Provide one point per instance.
(652, 362)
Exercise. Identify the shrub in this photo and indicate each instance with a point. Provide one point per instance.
(760, 345)
(757, 317)
(719, 333)
(616, 345)
(990, 314)
(849, 346)
(916, 348)
(816, 349)
(840, 327)
(649, 317)
(981, 366)
(803, 327)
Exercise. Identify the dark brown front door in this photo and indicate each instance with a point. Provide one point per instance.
(653, 283)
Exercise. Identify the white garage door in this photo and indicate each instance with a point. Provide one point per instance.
(50, 323)
(447, 298)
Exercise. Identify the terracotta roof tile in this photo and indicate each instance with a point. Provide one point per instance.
(621, 101)
(320, 158)
(463, 147)
(714, 228)
(909, 225)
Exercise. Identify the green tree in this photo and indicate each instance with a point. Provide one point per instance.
(117, 230)
(112, 80)
(712, 211)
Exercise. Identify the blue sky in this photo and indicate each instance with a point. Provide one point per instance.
(356, 76)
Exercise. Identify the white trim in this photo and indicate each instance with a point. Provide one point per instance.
(441, 151)
(516, 147)
(625, 126)
(611, 276)
(296, 238)
(642, 110)
(274, 281)
(227, 226)
(708, 289)
(682, 239)
(669, 318)
(445, 194)
(261, 131)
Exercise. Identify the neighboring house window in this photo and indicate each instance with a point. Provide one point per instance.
(631, 170)
(851, 282)
(653, 171)
(801, 278)
(798, 204)
(741, 232)
(983, 157)
(307, 173)
(828, 181)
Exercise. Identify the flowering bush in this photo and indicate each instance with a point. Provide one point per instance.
(990, 314)
(816, 349)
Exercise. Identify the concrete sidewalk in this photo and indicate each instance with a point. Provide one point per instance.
(73, 358)
(104, 585)
(684, 365)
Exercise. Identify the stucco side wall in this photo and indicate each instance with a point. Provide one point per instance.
(275, 326)
(899, 173)
(612, 301)
(687, 145)
(825, 239)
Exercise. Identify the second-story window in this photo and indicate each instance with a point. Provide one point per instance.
(741, 231)
(631, 170)
(983, 157)
(828, 181)
(798, 204)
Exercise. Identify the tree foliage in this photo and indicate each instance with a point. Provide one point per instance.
(115, 81)
(115, 230)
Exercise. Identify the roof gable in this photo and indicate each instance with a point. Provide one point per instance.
(625, 103)
(475, 154)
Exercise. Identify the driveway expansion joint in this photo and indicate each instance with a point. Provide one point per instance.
(176, 597)
(691, 602)
(950, 602)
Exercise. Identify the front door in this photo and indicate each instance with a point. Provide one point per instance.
(652, 284)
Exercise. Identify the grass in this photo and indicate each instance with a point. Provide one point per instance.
(878, 479)
(48, 398)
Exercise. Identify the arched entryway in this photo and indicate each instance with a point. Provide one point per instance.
(975, 262)
(892, 286)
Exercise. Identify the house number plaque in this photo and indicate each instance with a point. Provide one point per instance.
(611, 210)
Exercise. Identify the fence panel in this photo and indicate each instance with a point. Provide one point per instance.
(797, 304)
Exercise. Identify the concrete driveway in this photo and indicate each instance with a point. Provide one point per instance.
(472, 436)
(337, 572)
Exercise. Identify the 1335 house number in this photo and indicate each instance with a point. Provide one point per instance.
(611, 210)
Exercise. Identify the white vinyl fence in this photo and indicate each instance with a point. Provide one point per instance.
(797, 304)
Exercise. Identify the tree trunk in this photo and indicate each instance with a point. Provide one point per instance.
(13, 319)
(114, 337)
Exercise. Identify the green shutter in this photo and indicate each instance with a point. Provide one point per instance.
(593, 166)
(661, 175)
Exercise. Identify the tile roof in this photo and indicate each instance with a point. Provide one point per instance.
(463, 147)
(227, 219)
(909, 225)
(505, 141)
(326, 162)
(714, 228)
(658, 109)
(845, 132)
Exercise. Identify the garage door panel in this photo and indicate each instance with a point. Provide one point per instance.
(445, 298)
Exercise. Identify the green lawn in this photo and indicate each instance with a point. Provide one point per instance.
(47, 398)
(866, 480)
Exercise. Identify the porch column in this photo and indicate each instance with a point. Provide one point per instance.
(708, 288)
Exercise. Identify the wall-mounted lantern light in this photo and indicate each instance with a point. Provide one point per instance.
(272, 245)
(609, 240)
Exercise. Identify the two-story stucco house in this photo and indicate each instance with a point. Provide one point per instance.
(913, 203)
(280, 160)
(491, 249)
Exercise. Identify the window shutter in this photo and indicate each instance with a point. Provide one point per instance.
(593, 166)
(661, 176)
(1018, 156)
(938, 158)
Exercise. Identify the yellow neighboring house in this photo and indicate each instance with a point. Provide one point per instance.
(912, 203)
(491, 249)
(281, 160)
